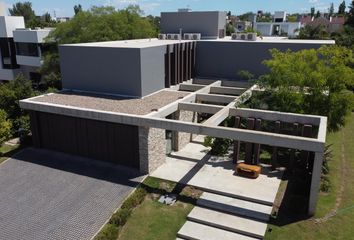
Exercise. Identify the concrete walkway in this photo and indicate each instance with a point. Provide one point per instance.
(49, 195)
(231, 207)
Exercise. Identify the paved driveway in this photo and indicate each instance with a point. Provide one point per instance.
(48, 195)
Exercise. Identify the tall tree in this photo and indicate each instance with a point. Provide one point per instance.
(313, 11)
(331, 10)
(341, 8)
(23, 9)
(350, 20)
(77, 9)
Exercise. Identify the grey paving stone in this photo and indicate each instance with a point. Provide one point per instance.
(46, 195)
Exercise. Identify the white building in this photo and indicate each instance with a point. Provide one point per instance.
(20, 48)
(289, 29)
(279, 26)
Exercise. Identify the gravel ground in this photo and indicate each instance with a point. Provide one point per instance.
(113, 104)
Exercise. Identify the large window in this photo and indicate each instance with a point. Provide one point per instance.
(8, 53)
(27, 49)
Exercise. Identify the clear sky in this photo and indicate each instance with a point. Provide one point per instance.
(64, 8)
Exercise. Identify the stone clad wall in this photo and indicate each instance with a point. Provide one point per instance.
(183, 138)
(152, 149)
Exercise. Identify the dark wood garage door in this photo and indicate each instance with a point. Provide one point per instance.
(99, 140)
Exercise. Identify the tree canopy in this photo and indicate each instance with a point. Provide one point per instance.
(311, 81)
(341, 8)
(23, 9)
(5, 127)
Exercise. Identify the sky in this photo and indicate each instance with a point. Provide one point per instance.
(64, 8)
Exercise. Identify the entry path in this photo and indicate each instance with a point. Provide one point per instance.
(47, 195)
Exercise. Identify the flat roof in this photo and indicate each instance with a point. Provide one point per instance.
(138, 43)
(154, 42)
(112, 103)
(273, 40)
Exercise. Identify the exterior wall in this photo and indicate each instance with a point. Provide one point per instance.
(152, 69)
(103, 141)
(183, 138)
(29, 61)
(223, 59)
(9, 24)
(101, 69)
(31, 36)
(206, 23)
(152, 149)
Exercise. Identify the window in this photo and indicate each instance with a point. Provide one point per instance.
(27, 49)
(8, 53)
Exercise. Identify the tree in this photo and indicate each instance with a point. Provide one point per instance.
(77, 9)
(350, 20)
(318, 14)
(5, 127)
(314, 32)
(313, 12)
(10, 95)
(331, 10)
(229, 29)
(23, 9)
(246, 16)
(341, 8)
(310, 81)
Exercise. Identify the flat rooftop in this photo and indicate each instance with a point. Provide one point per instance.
(273, 40)
(138, 43)
(112, 103)
(154, 42)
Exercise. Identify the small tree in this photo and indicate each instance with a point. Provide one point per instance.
(5, 127)
(318, 14)
(77, 9)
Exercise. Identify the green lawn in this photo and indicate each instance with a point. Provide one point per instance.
(341, 225)
(7, 151)
(155, 221)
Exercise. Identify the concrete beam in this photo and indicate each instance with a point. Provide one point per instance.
(227, 90)
(276, 116)
(190, 87)
(215, 98)
(265, 138)
(315, 182)
(322, 130)
(225, 83)
(200, 108)
(173, 107)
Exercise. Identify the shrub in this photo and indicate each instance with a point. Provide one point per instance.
(120, 217)
(5, 127)
(219, 146)
(135, 199)
(109, 232)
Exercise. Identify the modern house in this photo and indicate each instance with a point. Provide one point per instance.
(21, 48)
(278, 27)
(132, 102)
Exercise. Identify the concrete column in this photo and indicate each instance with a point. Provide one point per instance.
(152, 149)
(183, 138)
(315, 182)
(236, 155)
(306, 132)
(249, 146)
(257, 147)
(292, 151)
(274, 159)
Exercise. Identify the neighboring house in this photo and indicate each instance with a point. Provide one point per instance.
(21, 48)
(332, 24)
(62, 19)
(279, 26)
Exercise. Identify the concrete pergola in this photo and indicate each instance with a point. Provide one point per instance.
(229, 94)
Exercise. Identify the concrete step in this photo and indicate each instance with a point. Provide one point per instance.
(196, 231)
(235, 206)
(228, 222)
